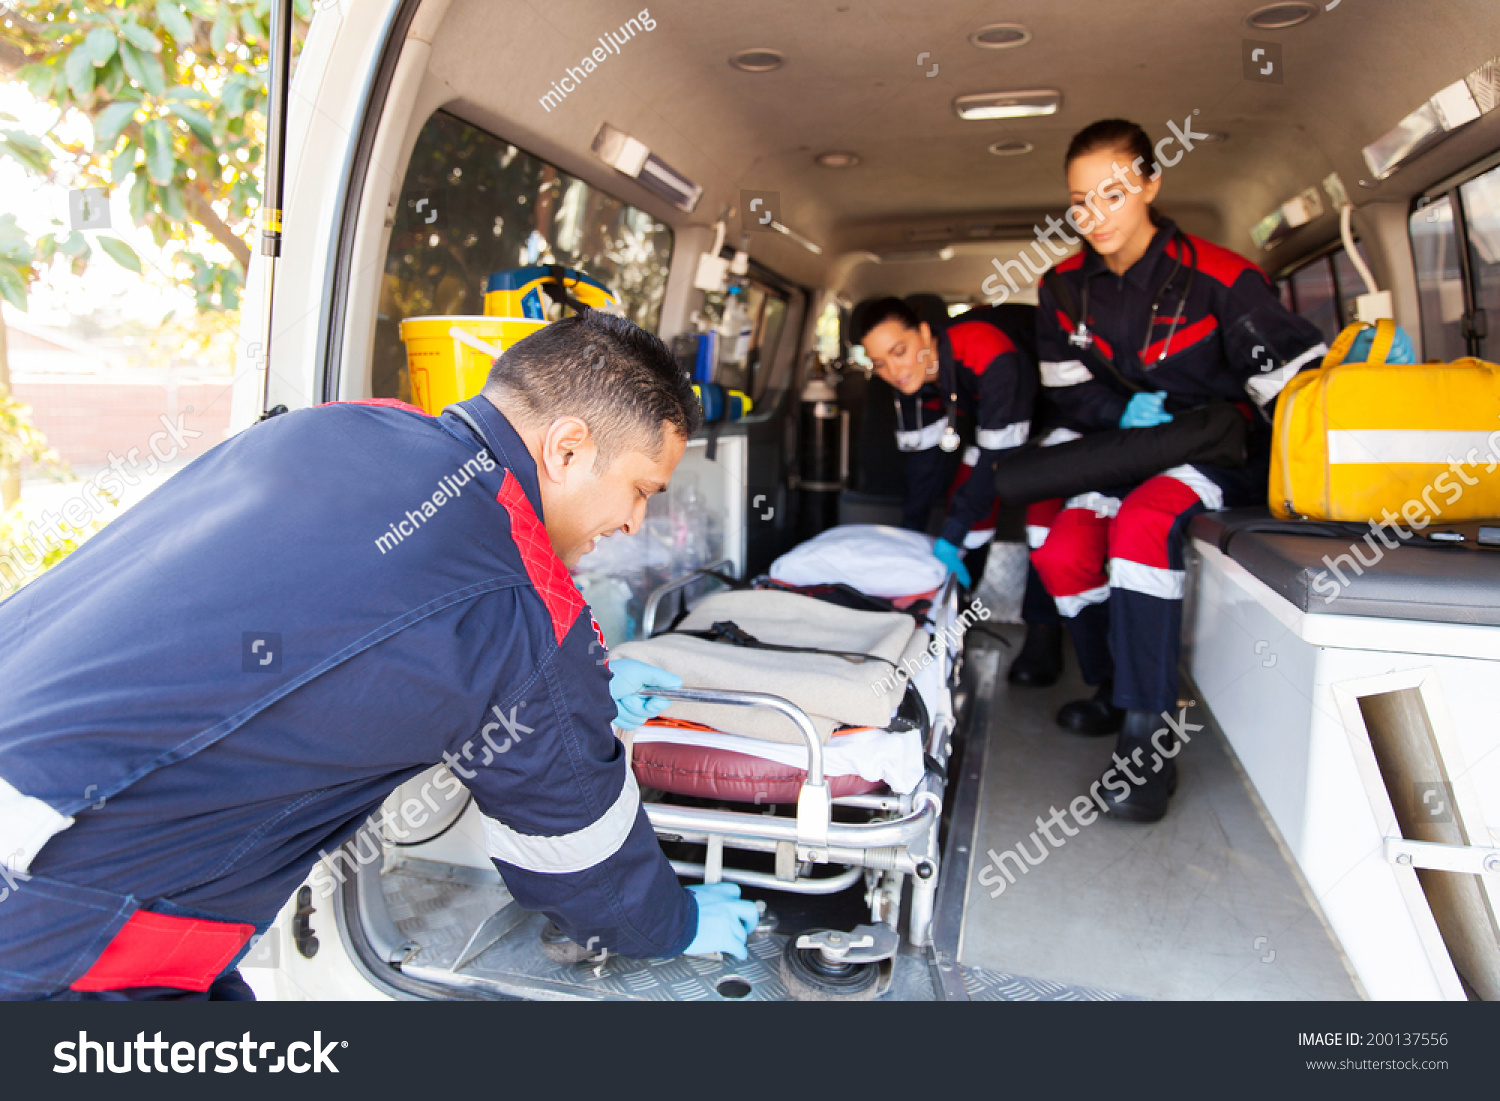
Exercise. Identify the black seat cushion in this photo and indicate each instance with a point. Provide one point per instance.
(1435, 584)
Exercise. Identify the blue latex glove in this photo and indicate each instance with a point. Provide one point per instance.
(953, 558)
(725, 920)
(1401, 349)
(1145, 411)
(628, 682)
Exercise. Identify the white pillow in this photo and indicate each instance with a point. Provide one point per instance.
(875, 559)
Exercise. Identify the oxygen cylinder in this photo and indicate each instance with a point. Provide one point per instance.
(821, 455)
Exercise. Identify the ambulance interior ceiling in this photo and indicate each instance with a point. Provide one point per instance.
(925, 179)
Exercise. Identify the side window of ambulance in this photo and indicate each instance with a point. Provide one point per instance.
(1481, 201)
(764, 315)
(767, 309)
(1455, 240)
(1314, 296)
(471, 205)
(1323, 290)
(1440, 282)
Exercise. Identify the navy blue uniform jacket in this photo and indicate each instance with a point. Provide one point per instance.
(1232, 340)
(395, 568)
(996, 384)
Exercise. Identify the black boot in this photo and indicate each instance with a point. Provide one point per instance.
(1094, 717)
(1141, 779)
(1041, 658)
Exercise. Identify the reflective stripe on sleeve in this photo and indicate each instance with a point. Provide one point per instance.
(1065, 372)
(1207, 490)
(569, 852)
(1070, 606)
(1266, 386)
(26, 824)
(1100, 505)
(922, 439)
(997, 439)
(1151, 580)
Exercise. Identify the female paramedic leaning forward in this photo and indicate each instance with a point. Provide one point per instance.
(1188, 323)
(971, 368)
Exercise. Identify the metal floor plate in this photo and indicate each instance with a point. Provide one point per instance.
(439, 908)
(993, 986)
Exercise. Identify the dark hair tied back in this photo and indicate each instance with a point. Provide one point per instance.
(1119, 134)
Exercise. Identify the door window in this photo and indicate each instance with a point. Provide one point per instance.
(472, 204)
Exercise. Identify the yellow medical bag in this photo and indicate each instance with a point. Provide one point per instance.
(1378, 441)
(517, 292)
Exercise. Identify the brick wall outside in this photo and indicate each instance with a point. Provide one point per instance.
(86, 421)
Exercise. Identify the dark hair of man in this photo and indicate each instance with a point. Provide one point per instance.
(878, 313)
(1118, 134)
(609, 373)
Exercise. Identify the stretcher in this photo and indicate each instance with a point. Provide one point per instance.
(798, 808)
(837, 831)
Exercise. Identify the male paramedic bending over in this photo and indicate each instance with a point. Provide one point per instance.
(233, 675)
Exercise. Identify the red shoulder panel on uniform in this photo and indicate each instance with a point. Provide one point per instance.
(547, 573)
(1220, 264)
(1071, 263)
(391, 402)
(976, 343)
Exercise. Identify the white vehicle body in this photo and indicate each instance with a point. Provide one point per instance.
(373, 73)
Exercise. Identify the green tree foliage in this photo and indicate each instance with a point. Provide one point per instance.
(175, 93)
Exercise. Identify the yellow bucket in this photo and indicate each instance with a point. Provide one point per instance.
(449, 358)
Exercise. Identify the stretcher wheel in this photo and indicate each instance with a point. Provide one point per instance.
(809, 976)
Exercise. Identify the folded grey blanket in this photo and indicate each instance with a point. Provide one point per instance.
(832, 690)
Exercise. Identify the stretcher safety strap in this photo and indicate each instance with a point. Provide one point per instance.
(568, 852)
(1404, 445)
(1066, 372)
(26, 824)
(997, 439)
(922, 439)
(1264, 387)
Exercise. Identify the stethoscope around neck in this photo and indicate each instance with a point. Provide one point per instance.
(949, 440)
(1080, 337)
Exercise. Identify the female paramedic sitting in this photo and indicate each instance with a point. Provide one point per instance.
(974, 369)
(1187, 323)
(230, 679)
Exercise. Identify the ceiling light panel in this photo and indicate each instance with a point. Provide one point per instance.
(1000, 36)
(1033, 103)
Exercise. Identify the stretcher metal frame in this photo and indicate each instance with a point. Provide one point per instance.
(901, 842)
